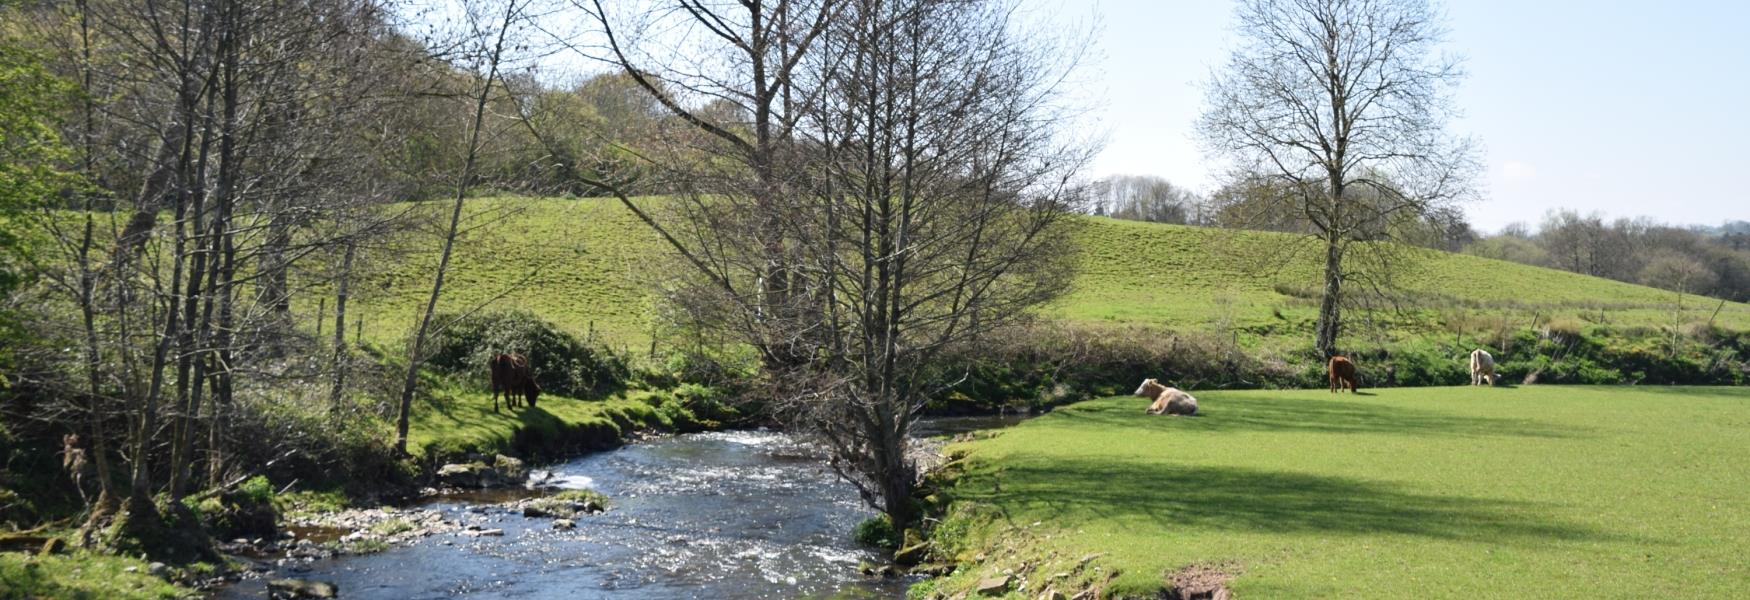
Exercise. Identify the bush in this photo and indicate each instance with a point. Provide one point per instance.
(877, 531)
(315, 446)
(246, 511)
(1423, 364)
(562, 364)
(705, 366)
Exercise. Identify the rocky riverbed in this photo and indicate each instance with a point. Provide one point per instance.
(722, 515)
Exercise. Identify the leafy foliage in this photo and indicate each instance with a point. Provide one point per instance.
(876, 531)
(31, 99)
(561, 363)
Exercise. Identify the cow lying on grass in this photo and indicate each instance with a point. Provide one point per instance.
(1167, 400)
(1482, 368)
(512, 377)
(1343, 375)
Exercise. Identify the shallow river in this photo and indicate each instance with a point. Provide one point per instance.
(741, 514)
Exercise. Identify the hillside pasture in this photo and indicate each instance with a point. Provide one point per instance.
(589, 264)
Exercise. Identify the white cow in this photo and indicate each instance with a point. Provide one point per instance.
(1167, 400)
(1482, 368)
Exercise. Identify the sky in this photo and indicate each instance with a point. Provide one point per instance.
(1624, 108)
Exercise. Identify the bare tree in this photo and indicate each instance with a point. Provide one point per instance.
(922, 202)
(240, 120)
(493, 30)
(1343, 104)
(736, 84)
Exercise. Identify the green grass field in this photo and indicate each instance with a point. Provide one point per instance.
(1533, 492)
(453, 422)
(596, 267)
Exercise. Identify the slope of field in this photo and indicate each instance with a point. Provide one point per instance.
(1177, 275)
(583, 264)
(589, 264)
(1534, 492)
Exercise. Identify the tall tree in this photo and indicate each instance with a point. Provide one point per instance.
(1344, 105)
(922, 203)
(748, 57)
(493, 31)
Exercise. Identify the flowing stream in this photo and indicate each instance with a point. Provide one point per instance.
(724, 515)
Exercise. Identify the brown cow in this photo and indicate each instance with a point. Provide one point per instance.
(512, 377)
(1343, 375)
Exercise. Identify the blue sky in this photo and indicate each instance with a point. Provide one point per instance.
(1625, 108)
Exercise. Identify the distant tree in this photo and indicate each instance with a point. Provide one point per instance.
(1587, 244)
(1677, 272)
(1342, 105)
(1145, 198)
(1509, 247)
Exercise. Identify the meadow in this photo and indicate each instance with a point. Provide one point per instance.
(1535, 491)
(590, 267)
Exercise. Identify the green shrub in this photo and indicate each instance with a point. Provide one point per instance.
(391, 527)
(562, 364)
(311, 502)
(877, 531)
(257, 490)
(716, 367)
(1425, 364)
(246, 511)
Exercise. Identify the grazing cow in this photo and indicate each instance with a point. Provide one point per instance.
(512, 377)
(1343, 375)
(1167, 400)
(1482, 368)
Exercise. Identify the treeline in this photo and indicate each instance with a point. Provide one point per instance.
(1683, 260)
(1255, 203)
(1686, 260)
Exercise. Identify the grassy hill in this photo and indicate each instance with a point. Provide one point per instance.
(588, 264)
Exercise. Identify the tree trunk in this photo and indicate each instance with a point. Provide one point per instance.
(897, 480)
(87, 283)
(1330, 318)
(275, 289)
(336, 392)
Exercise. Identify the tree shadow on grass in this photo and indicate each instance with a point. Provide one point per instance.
(1247, 500)
(1267, 413)
(456, 415)
(1717, 392)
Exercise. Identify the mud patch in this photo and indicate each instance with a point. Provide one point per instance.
(1201, 581)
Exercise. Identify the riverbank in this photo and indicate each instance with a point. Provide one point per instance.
(1536, 491)
(452, 424)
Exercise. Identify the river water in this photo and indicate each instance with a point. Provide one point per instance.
(723, 515)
